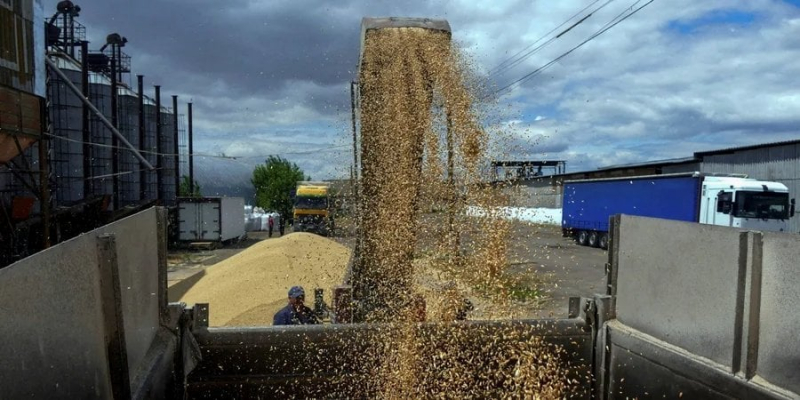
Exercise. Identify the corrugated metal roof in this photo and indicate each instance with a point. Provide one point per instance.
(701, 154)
(669, 161)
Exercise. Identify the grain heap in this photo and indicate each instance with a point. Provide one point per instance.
(414, 99)
(248, 288)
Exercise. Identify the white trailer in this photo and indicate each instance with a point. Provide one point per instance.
(210, 219)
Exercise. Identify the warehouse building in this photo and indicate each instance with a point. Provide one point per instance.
(779, 162)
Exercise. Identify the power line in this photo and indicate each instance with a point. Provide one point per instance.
(501, 69)
(324, 149)
(494, 70)
(616, 20)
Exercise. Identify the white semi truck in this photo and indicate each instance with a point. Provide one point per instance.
(728, 200)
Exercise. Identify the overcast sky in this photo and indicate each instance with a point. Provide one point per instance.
(272, 77)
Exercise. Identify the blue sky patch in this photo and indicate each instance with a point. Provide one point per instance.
(717, 17)
(549, 111)
(795, 3)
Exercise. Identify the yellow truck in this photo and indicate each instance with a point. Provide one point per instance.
(312, 208)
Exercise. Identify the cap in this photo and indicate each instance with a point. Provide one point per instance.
(297, 291)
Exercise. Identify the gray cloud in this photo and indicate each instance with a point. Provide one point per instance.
(273, 76)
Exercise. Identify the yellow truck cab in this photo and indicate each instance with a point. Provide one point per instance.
(311, 209)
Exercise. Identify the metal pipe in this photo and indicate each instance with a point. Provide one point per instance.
(97, 112)
(175, 146)
(114, 121)
(86, 133)
(44, 180)
(191, 150)
(354, 174)
(159, 149)
(353, 117)
(143, 173)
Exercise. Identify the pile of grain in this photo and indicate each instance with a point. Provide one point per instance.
(248, 288)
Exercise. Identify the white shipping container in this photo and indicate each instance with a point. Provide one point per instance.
(210, 219)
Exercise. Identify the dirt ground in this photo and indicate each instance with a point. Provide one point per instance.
(183, 263)
(556, 266)
(565, 268)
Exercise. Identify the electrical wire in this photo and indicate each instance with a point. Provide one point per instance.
(616, 20)
(498, 70)
(503, 63)
(324, 149)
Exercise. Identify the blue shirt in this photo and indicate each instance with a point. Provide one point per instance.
(288, 316)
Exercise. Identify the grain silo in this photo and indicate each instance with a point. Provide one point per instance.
(67, 144)
(169, 151)
(149, 149)
(129, 189)
(101, 183)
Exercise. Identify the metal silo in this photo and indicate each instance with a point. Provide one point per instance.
(169, 151)
(66, 116)
(149, 149)
(129, 189)
(100, 160)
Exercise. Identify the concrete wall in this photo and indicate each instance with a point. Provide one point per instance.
(534, 193)
(137, 255)
(779, 322)
(673, 290)
(727, 297)
(66, 308)
(51, 323)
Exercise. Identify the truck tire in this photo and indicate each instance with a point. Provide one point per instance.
(582, 238)
(604, 241)
(594, 239)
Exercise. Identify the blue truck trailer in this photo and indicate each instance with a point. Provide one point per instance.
(694, 197)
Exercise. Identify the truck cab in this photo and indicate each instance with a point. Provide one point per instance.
(311, 209)
(745, 203)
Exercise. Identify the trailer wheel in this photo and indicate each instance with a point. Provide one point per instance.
(594, 239)
(583, 238)
(604, 240)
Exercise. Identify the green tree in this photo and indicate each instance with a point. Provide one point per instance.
(184, 190)
(274, 181)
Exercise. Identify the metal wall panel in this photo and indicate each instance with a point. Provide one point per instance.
(51, 323)
(673, 290)
(778, 344)
(706, 312)
(138, 275)
(55, 313)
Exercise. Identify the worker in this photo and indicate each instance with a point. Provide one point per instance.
(295, 313)
(281, 224)
(270, 223)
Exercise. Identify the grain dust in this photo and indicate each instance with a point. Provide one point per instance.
(422, 149)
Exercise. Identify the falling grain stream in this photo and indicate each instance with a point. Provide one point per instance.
(421, 145)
